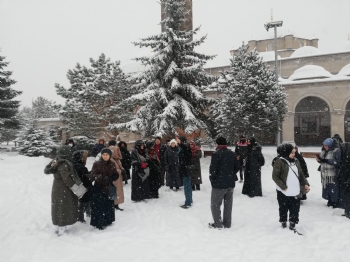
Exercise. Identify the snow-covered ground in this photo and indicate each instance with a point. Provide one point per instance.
(162, 231)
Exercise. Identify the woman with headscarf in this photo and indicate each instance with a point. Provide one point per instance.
(64, 203)
(140, 173)
(79, 162)
(103, 173)
(344, 179)
(126, 161)
(252, 175)
(329, 160)
(290, 184)
(154, 169)
(172, 166)
(195, 160)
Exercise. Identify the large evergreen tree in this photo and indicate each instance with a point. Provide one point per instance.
(169, 92)
(252, 100)
(91, 96)
(8, 106)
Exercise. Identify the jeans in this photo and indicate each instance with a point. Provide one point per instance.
(188, 190)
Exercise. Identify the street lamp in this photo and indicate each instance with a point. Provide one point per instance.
(267, 26)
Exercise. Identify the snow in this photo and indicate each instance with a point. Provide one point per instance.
(49, 119)
(310, 71)
(306, 51)
(345, 71)
(160, 230)
(268, 56)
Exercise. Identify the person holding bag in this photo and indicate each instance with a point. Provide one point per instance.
(64, 203)
(103, 174)
(290, 184)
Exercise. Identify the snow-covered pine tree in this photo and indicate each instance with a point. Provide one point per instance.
(36, 141)
(252, 100)
(8, 107)
(169, 92)
(92, 94)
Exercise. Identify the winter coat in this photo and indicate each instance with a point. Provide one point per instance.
(302, 163)
(241, 149)
(139, 187)
(223, 168)
(172, 167)
(119, 182)
(104, 173)
(163, 149)
(185, 156)
(126, 161)
(252, 175)
(97, 149)
(155, 177)
(344, 177)
(64, 203)
(195, 160)
(280, 173)
(83, 174)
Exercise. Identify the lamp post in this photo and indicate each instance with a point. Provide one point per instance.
(267, 27)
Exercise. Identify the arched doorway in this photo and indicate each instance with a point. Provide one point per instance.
(311, 121)
(347, 123)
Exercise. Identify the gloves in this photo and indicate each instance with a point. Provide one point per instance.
(114, 177)
(143, 165)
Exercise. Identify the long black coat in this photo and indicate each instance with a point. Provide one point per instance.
(197, 175)
(126, 161)
(344, 177)
(252, 175)
(185, 155)
(139, 189)
(172, 167)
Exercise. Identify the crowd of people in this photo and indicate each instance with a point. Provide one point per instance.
(77, 192)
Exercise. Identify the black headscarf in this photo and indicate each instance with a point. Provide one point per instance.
(252, 143)
(285, 151)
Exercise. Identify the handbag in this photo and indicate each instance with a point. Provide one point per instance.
(112, 194)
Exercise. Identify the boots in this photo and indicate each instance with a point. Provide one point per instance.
(291, 225)
(284, 224)
(118, 208)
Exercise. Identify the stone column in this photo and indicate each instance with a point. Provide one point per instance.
(337, 124)
(288, 128)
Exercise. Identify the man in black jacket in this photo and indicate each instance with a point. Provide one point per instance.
(223, 168)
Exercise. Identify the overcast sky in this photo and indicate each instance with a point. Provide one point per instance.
(42, 39)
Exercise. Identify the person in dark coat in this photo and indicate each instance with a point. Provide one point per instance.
(329, 160)
(290, 183)
(185, 156)
(126, 161)
(171, 161)
(103, 173)
(79, 162)
(252, 176)
(160, 151)
(303, 167)
(195, 160)
(98, 147)
(223, 168)
(337, 140)
(154, 168)
(64, 203)
(70, 142)
(241, 151)
(344, 179)
(140, 173)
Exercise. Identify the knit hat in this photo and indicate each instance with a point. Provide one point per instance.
(286, 149)
(112, 143)
(328, 142)
(221, 141)
(106, 150)
(173, 141)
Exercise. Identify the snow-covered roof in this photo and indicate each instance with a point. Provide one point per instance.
(310, 72)
(345, 71)
(315, 80)
(306, 51)
(268, 56)
(55, 119)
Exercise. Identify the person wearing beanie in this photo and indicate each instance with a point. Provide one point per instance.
(103, 173)
(241, 151)
(223, 168)
(329, 160)
(185, 155)
(126, 161)
(154, 168)
(160, 151)
(140, 173)
(290, 184)
(171, 165)
(70, 142)
(252, 175)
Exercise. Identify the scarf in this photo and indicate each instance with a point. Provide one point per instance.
(221, 147)
(328, 172)
(194, 149)
(145, 172)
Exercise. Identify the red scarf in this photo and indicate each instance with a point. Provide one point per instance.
(194, 149)
(221, 147)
